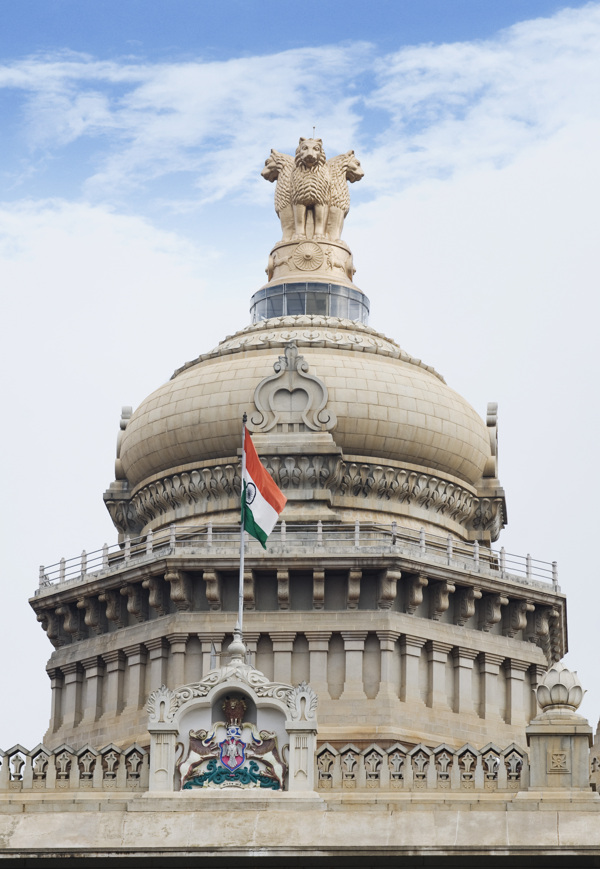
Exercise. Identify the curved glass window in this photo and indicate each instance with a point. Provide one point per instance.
(326, 300)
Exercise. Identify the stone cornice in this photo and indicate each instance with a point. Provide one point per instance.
(310, 331)
(383, 487)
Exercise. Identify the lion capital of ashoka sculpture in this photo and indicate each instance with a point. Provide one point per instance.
(311, 195)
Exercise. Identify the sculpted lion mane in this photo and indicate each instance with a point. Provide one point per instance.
(310, 187)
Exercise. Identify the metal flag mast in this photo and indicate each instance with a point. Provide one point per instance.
(239, 625)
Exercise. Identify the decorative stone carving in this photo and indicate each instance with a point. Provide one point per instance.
(309, 184)
(559, 688)
(72, 621)
(414, 593)
(162, 705)
(439, 600)
(465, 604)
(291, 399)
(387, 587)
(517, 616)
(491, 468)
(318, 589)
(180, 589)
(114, 606)
(213, 589)
(491, 610)
(283, 588)
(156, 594)
(302, 703)
(92, 616)
(279, 167)
(125, 417)
(353, 595)
(136, 604)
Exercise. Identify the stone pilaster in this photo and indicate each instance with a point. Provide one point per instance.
(71, 706)
(463, 679)
(437, 658)
(208, 641)
(251, 639)
(515, 675)
(92, 704)
(178, 643)
(354, 647)
(387, 646)
(411, 647)
(136, 673)
(318, 647)
(115, 668)
(157, 662)
(489, 666)
(283, 645)
(56, 687)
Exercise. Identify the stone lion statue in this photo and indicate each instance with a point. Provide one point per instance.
(343, 168)
(279, 167)
(311, 195)
(310, 187)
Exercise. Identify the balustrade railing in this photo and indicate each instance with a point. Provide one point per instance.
(292, 539)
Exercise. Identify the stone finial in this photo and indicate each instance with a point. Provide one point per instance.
(559, 689)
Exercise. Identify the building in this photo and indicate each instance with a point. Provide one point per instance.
(385, 641)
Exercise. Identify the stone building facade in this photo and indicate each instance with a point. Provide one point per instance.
(388, 644)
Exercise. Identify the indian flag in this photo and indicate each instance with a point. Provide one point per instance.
(262, 501)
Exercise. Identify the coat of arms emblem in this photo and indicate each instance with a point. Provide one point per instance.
(233, 753)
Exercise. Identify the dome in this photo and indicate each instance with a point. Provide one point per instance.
(388, 406)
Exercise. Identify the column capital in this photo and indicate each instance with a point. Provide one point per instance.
(156, 646)
(70, 670)
(176, 640)
(283, 641)
(95, 661)
(435, 647)
(412, 644)
(317, 636)
(134, 650)
(114, 660)
(210, 637)
(387, 639)
(490, 662)
(517, 669)
(464, 654)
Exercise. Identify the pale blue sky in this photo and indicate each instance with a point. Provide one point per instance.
(135, 226)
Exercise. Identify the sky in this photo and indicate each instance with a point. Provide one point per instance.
(135, 226)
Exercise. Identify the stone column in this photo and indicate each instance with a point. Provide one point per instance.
(71, 706)
(115, 667)
(136, 672)
(463, 678)
(178, 643)
(94, 672)
(207, 641)
(537, 672)
(387, 645)
(490, 668)
(318, 647)
(157, 655)
(56, 687)
(354, 646)
(411, 653)
(515, 676)
(283, 644)
(437, 658)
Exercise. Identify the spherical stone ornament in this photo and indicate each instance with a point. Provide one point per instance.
(308, 256)
(559, 687)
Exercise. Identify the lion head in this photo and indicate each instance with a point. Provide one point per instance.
(310, 153)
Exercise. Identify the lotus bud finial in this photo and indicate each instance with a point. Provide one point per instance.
(559, 688)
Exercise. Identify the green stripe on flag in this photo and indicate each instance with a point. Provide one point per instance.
(250, 525)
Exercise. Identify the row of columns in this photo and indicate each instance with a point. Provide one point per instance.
(86, 691)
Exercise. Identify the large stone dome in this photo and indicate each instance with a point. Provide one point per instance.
(374, 408)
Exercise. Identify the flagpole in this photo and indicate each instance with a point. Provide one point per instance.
(241, 582)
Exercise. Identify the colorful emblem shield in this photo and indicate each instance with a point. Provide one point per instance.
(232, 749)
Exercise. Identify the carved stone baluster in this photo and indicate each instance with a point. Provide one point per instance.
(516, 617)
(414, 592)
(213, 589)
(318, 589)
(387, 587)
(439, 599)
(464, 608)
(136, 601)
(491, 610)
(92, 613)
(181, 591)
(156, 594)
(283, 588)
(354, 578)
(114, 607)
